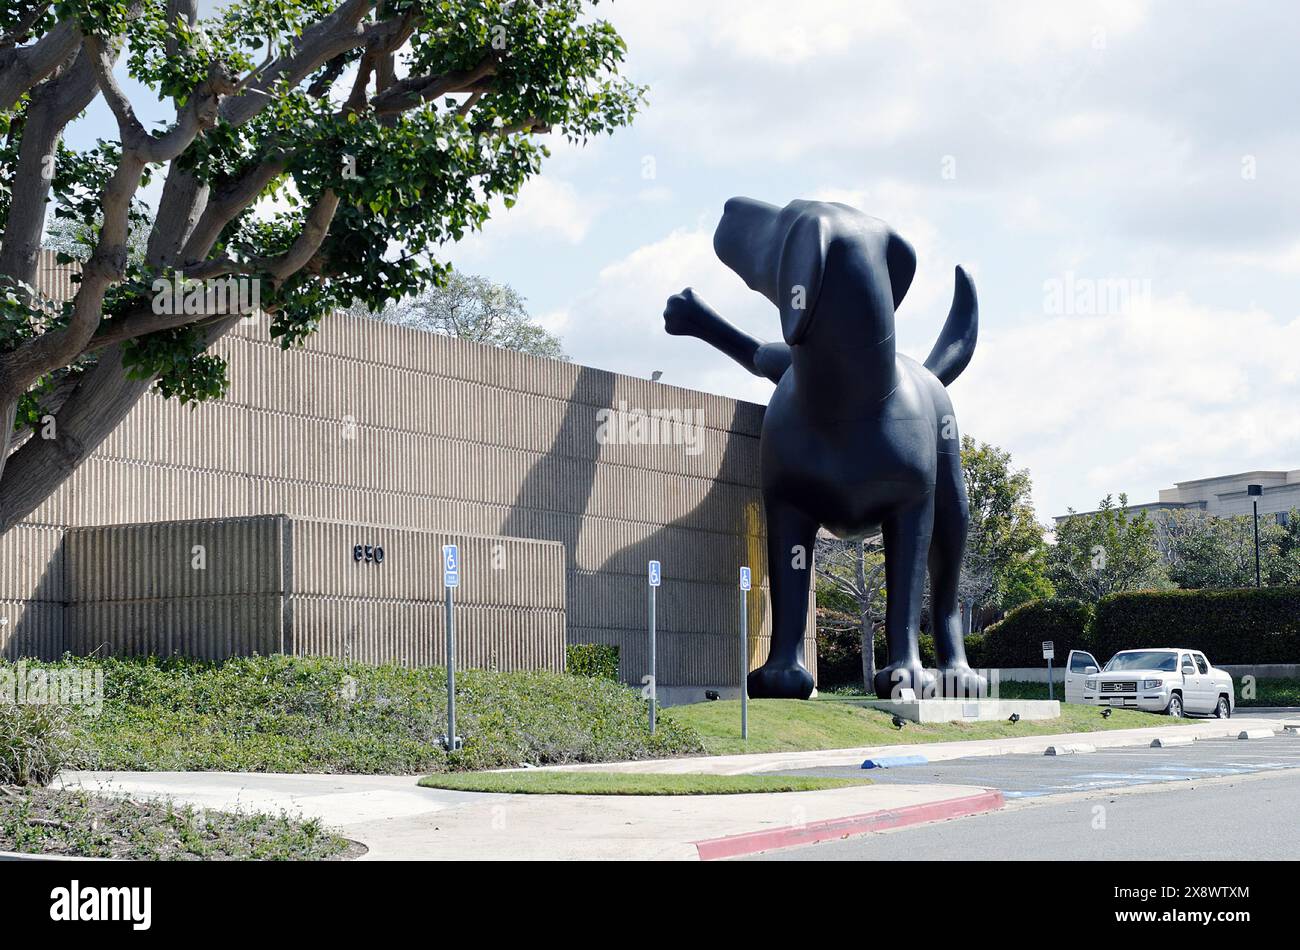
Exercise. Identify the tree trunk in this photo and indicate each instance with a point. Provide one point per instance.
(868, 626)
(96, 407)
(8, 413)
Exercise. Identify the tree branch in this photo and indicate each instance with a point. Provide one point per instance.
(22, 68)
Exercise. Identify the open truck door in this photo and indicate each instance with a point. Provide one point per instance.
(1078, 667)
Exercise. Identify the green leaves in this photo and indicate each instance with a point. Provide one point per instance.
(409, 181)
(177, 359)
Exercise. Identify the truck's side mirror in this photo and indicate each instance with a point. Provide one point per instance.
(1089, 669)
(1188, 668)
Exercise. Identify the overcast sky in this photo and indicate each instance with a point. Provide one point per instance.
(1046, 146)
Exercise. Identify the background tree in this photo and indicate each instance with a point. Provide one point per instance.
(1207, 551)
(320, 148)
(851, 594)
(1005, 563)
(1105, 552)
(474, 308)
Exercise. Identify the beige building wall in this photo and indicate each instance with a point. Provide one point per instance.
(382, 426)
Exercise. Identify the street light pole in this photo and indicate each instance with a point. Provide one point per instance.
(1255, 491)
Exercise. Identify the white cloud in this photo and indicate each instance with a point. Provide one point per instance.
(1109, 403)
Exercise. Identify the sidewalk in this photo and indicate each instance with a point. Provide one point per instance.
(398, 820)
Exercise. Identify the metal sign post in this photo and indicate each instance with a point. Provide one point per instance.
(450, 581)
(744, 652)
(656, 575)
(1049, 651)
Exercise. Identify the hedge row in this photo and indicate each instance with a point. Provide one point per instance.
(1229, 626)
(1017, 639)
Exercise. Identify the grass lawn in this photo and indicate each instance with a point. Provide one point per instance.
(74, 823)
(791, 725)
(615, 783)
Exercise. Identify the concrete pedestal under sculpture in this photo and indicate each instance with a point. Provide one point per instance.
(857, 438)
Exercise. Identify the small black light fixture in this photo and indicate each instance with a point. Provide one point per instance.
(656, 376)
(1254, 493)
(1015, 717)
(1105, 714)
(898, 721)
(711, 695)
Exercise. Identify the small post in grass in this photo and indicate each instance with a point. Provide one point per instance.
(450, 581)
(655, 576)
(1049, 651)
(744, 652)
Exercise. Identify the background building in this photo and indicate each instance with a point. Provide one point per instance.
(1226, 495)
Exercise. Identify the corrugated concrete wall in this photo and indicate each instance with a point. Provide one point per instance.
(396, 427)
(32, 586)
(271, 584)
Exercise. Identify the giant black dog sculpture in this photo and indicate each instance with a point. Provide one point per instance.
(857, 437)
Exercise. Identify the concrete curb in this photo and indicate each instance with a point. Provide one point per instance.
(753, 842)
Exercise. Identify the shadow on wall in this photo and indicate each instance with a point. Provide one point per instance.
(698, 613)
(33, 616)
(698, 606)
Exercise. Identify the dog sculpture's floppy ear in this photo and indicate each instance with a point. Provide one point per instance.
(799, 275)
(901, 260)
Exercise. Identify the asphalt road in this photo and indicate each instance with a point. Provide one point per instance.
(1249, 818)
(1235, 798)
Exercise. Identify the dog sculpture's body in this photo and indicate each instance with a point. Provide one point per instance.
(857, 438)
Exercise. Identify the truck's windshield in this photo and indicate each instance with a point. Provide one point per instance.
(1162, 660)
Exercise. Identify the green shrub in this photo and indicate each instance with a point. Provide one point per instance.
(312, 714)
(36, 743)
(598, 660)
(1228, 626)
(1017, 639)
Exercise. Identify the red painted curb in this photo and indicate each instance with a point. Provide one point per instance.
(753, 842)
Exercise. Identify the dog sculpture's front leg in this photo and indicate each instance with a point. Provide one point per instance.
(790, 538)
(688, 315)
(907, 544)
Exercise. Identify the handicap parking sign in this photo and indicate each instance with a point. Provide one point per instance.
(450, 565)
(654, 573)
(744, 578)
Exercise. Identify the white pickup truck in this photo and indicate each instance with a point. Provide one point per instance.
(1170, 680)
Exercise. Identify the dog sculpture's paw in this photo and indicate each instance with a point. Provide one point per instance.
(780, 682)
(961, 682)
(685, 313)
(891, 680)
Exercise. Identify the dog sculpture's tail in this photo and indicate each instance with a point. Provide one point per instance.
(957, 341)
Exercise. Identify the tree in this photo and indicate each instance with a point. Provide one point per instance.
(1105, 552)
(851, 577)
(1005, 562)
(473, 308)
(1207, 551)
(319, 150)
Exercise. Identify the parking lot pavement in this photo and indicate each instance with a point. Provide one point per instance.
(1231, 818)
(1030, 776)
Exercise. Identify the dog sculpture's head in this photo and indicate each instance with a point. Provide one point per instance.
(819, 262)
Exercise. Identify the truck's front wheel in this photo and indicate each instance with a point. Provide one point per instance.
(1224, 709)
(1175, 707)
